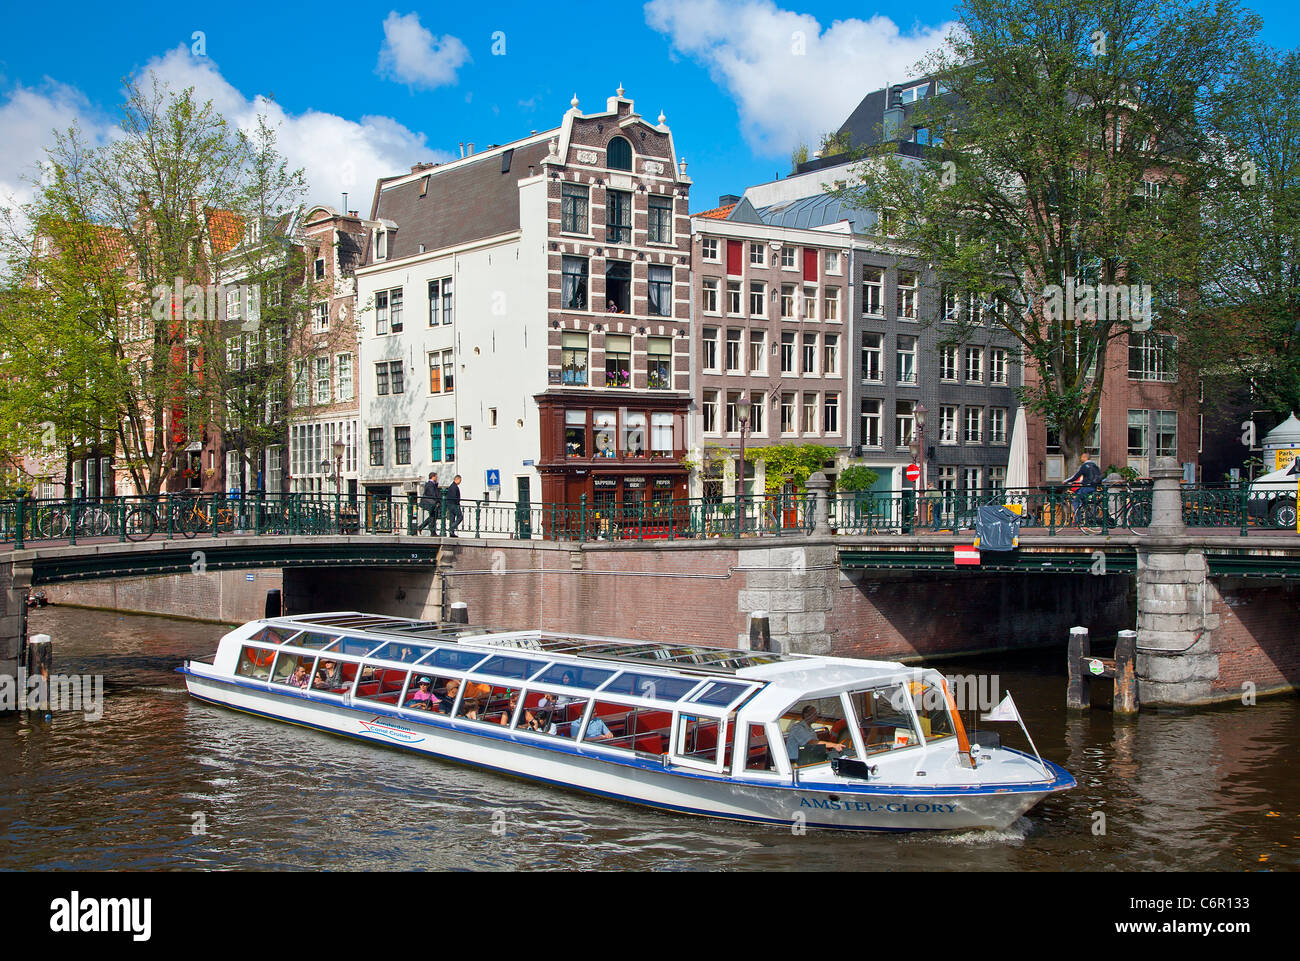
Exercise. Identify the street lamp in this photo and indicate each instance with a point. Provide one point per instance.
(742, 415)
(339, 447)
(920, 452)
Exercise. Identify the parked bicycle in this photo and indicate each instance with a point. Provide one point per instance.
(55, 522)
(1126, 509)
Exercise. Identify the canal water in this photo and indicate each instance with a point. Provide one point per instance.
(162, 781)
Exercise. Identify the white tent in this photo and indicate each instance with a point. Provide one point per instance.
(1018, 460)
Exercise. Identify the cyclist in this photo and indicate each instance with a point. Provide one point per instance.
(1088, 477)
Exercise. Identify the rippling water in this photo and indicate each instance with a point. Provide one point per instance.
(1209, 790)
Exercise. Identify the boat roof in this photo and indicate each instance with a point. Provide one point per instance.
(783, 675)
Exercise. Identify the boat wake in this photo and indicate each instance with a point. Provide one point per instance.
(1015, 833)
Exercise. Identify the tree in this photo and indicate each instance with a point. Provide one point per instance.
(1245, 327)
(1038, 209)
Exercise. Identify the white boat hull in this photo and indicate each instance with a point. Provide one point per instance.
(845, 804)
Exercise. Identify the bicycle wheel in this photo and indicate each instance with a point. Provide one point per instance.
(95, 522)
(191, 522)
(141, 523)
(225, 521)
(52, 523)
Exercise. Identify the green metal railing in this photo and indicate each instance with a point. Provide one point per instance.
(1045, 510)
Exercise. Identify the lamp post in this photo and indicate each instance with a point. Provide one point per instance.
(742, 415)
(339, 447)
(920, 452)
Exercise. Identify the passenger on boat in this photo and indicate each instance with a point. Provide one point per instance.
(328, 675)
(449, 698)
(299, 676)
(471, 708)
(424, 698)
(801, 734)
(540, 722)
(509, 711)
(597, 730)
(479, 691)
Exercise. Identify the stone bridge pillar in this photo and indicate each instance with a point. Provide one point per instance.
(15, 581)
(1176, 663)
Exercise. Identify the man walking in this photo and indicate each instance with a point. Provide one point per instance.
(453, 505)
(430, 499)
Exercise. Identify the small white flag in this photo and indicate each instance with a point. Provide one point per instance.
(1006, 711)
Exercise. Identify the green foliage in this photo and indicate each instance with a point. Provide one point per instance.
(857, 477)
(799, 155)
(796, 461)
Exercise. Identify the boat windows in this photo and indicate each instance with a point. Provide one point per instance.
(400, 651)
(571, 675)
(931, 710)
(333, 677)
(271, 635)
(644, 730)
(437, 696)
(654, 687)
(759, 756)
(313, 640)
(454, 659)
(255, 662)
(294, 670)
(698, 737)
(381, 684)
(354, 646)
(813, 728)
(506, 666)
(483, 702)
(553, 713)
(720, 694)
(884, 718)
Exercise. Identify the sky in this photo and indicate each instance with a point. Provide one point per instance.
(361, 90)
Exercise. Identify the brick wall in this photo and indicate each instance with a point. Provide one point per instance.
(225, 596)
(1256, 638)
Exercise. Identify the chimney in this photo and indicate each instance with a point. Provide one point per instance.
(728, 199)
(352, 213)
(469, 150)
(893, 118)
(462, 149)
(345, 201)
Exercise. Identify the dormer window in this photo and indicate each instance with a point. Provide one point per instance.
(381, 244)
(618, 155)
(254, 230)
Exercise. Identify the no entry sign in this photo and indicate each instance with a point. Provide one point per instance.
(913, 473)
(966, 555)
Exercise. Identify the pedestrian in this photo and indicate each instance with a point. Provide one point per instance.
(430, 499)
(453, 506)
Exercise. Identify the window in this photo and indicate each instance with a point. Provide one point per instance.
(947, 425)
(809, 422)
(974, 365)
(756, 412)
(832, 261)
(402, 445)
(757, 352)
(733, 297)
(810, 303)
(661, 290)
(872, 355)
(709, 301)
(974, 425)
(948, 362)
(906, 360)
(376, 447)
(830, 355)
(440, 361)
(735, 348)
(710, 411)
(907, 290)
(395, 310)
(870, 422)
(709, 249)
(757, 258)
(1151, 357)
(1139, 425)
(323, 380)
(831, 414)
(301, 384)
(395, 375)
(997, 365)
(904, 422)
(575, 433)
(618, 217)
(442, 441)
(788, 254)
(787, 413)
(787, 301)
(634, 436)
(659, 363)
(440, 301)
(618, 155)
(574, 201)
(573, 283)
(998, 478)
(951, 306)
(320, 314)
(832, 304)
(343, 370)
(661, 435)
(381, 379)
(618, 360)
(1166, 429)
(381, 245)
(733, 416)
(787, 353)
(873, 291)
(710, 343)
(235, 353)
(661, 220)
(997, 425)
(810, 353)
(618, 287)
(757, 300)
(972, 479)
(319, 268)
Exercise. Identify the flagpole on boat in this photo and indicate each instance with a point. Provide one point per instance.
(1007, 710)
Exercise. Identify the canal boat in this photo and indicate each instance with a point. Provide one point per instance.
(791, 739)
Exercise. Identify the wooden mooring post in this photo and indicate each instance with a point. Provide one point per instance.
(760, 632)
(1083, 668)
(459, 613)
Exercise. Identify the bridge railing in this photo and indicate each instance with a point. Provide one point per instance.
(1042, 510)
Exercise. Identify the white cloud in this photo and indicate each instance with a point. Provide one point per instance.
(29, 116)
(414, 56)
(791, 79)
(337, 154)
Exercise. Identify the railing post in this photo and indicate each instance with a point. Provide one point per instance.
(1244, 488)
(478, 518)
(258, 510)
(119, 505)
(72, 525)
(582, 517)
(20, 519)
(171, 515)
(338, 511)
(410, 513)
(1051, 511)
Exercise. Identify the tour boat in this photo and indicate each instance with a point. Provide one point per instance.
(824, 742)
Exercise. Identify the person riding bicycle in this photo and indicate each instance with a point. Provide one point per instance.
(1088, 477)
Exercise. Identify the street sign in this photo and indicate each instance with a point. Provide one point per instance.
(966, 555)
(494, 480)
(913, 473)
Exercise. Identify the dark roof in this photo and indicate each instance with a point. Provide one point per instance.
(463, 203)
(818, 210)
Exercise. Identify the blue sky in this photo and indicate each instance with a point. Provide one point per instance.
(365, 89)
